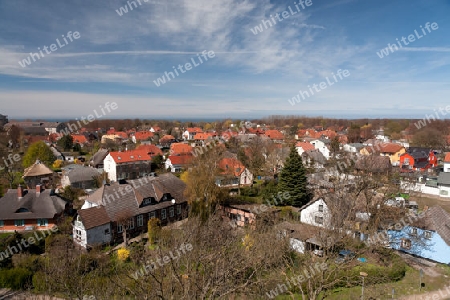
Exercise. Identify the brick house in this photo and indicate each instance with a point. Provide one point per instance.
(32, 209)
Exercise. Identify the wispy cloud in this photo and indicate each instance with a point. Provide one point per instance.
(425, 49)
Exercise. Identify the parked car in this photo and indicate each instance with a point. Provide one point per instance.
(344, 255)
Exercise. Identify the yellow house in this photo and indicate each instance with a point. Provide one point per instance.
(394, 151)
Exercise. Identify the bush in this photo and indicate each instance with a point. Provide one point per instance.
(16, 279)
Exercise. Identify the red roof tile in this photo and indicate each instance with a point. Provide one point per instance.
(79, 138)
(130, 156)
(231, 166)
(143, 135)
(274, 134)
(202, 136)
(447, 157)
(194, 130)
(305, 146)
(180, 159)
(180, 148)
(152, 150)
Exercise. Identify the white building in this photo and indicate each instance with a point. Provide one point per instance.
(315, 213)
(322, 147)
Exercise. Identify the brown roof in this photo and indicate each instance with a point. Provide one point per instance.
(93, 217)
(438, 220)
(37, 169)
(124, 199)
(33, 205)
(300, 231)
(373, 163)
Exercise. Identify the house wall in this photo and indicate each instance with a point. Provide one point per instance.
(109, 165)
(30, 224)
(309, 214)
(118, 236)
(246, 177)
(82, 238)
(297, 245)
(98, 236)
(446, 166)
(319, 145)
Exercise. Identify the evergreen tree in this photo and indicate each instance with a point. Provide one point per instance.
(293, 179)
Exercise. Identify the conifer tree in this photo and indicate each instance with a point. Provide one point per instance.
(293, 179)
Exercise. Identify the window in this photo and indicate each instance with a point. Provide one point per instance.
(107, 231)
(151, 214)
(428, 234)
(171, 212)
(163, 214)
(140, 220)
(19, 223)
(414, 231)
(178, 209)
(321, 207)
(42, 222)
(406, 244)
(318, 220)
(78, 234)
(2, 223)
(119, 228)
(130, 223)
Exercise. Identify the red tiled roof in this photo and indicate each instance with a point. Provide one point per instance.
(447, 157)
(79, 138)
(143, 135)
(167, 137)
(274, 134)
(231, 166)
(388, 147)
(180, 148)
(130, 156)
(152, 150)
(180, 159)
(122, 134)
(305, 146)
(202, 136)
(194, 130)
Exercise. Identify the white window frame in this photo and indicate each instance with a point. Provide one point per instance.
(178, 209)
(17, 221)
(151, 214)
(119, 228)
(163, 214)
(171, 212)
(140, 220)
(130, 224)
(42, 222)
(320, 207)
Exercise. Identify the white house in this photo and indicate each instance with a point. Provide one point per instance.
(92, 227)
(322, 147)
(130, 164)
(303, 147)
(315, 213)
(353, 147)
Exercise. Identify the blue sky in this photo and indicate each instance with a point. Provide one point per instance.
(117, 58)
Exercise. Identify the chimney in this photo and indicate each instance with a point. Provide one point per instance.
(19, 191)
(39, 189)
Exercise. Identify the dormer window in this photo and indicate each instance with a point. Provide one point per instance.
(119, 158)
(132, 157)
(22, 210)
